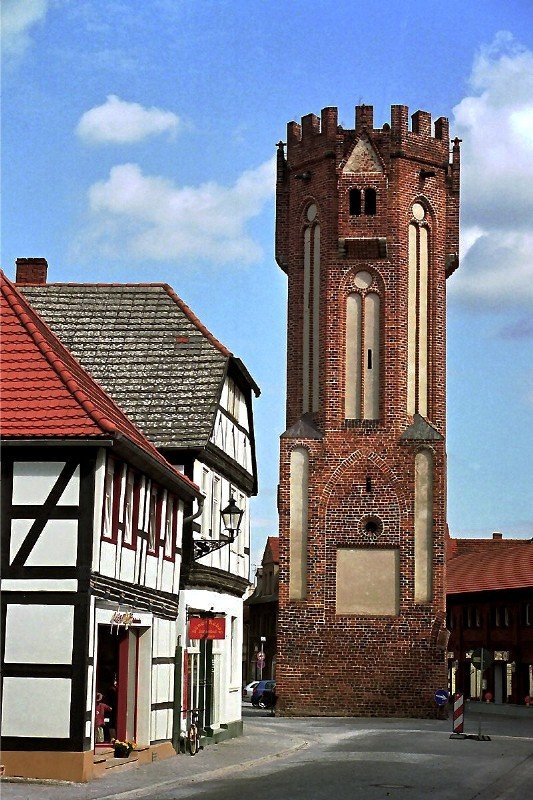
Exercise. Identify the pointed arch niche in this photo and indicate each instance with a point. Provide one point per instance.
(311, 311)
(417, 312)
(362, 356)
(423, 526)
(298, 505)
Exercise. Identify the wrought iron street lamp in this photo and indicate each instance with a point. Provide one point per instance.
(231, 519)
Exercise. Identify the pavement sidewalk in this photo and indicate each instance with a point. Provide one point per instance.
(259, 743)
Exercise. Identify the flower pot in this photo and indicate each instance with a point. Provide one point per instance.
(121, 751)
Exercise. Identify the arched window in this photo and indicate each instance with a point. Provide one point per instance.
(417, 313)
(363, 311)
(311, 312)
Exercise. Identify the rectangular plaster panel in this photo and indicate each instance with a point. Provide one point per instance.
(368, 581)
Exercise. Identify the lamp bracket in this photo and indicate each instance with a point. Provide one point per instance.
(202, 547)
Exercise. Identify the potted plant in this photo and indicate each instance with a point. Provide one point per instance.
(123, 749)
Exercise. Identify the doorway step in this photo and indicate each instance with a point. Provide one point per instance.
(104, 760)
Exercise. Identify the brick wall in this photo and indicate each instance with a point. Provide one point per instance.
(330, 664)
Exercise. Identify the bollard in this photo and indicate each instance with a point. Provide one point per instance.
(458, 714)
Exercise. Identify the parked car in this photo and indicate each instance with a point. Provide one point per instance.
(248, 689)
(264, 694)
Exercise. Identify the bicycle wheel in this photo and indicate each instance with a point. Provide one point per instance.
(193, 744)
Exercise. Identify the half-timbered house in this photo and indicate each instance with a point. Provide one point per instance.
(193, 399)
(92, 521)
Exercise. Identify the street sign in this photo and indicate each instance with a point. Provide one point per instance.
(261, 660)
(441, 697)
(482, 658)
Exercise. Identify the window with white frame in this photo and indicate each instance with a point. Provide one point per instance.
(107, 524)
(128, 508)
(169, 527)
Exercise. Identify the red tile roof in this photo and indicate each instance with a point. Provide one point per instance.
(45, 391)
(489, 564)
(273, 543)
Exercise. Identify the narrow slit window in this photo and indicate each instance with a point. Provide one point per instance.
(370, 201)
(355, 202)
(369, 359)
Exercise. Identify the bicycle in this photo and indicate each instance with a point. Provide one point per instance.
(193, 734)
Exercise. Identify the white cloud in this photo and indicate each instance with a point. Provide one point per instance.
(495, 123)
(120, 122)
(151, 217)
(18, 16)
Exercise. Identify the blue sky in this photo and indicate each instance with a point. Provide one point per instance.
(138, 140)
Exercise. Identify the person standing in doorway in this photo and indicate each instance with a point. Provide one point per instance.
(99, 718)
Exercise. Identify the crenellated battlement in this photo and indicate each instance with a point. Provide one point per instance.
(314, 133)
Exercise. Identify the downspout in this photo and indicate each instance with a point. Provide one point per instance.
(178, 660)
(196, 514)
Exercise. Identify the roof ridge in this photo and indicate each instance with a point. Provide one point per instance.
(60, 359)
(189, 313)
(195, 320)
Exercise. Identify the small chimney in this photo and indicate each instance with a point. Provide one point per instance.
(497, 535)
(31, 271)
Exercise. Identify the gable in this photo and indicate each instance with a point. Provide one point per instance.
(363, 158)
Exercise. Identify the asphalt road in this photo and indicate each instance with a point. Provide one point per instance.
(326, 759)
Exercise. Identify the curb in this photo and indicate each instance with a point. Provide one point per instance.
(203, 777)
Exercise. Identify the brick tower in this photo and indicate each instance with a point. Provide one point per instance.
(367, 229)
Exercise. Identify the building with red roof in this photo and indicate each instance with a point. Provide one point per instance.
(92, 527)
(261, 617)
(490, 605)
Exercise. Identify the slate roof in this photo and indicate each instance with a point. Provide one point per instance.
(144, 345)
(476, 565)
(46, 394)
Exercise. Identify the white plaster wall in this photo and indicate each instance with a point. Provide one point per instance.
(36, 707)
(151, 571)
(39, 634)
(423, 526)
(316, 319)
(371, 391)
(411, 320)
(228, 693)
(108, 559)
(34, 480)
(56, 546)
(306, 320)
(230, 557)
(423, 325)
(98, 506)
(298, 523)
(127, 565)
(353, 357)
